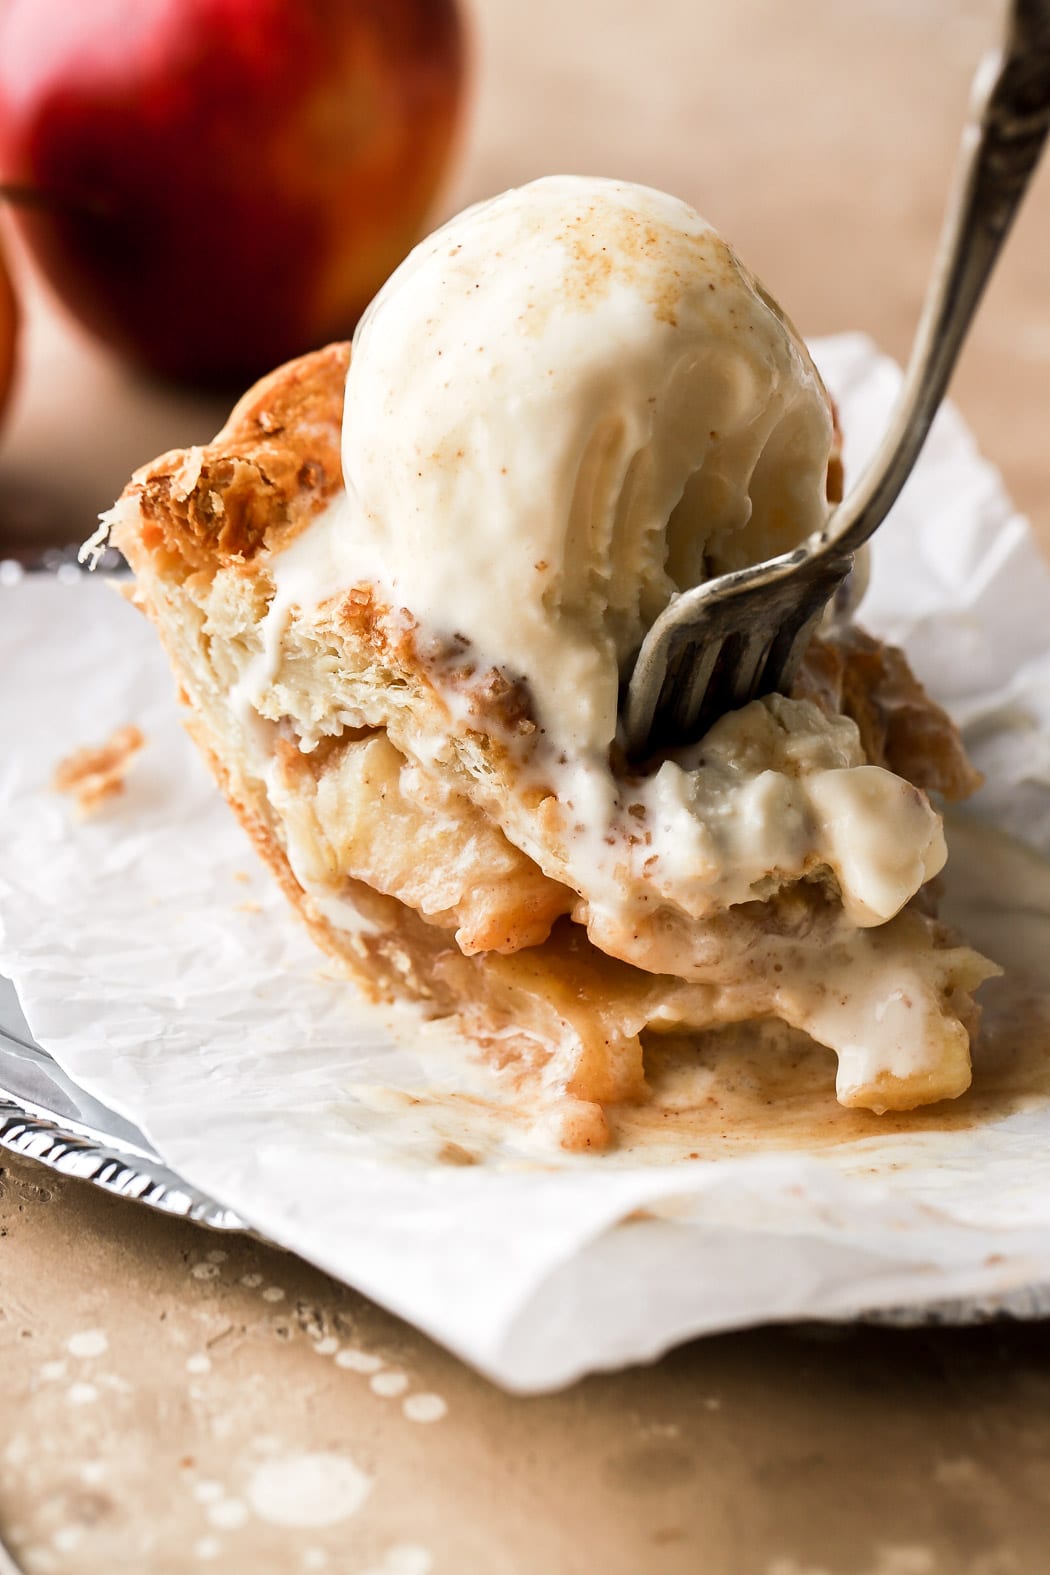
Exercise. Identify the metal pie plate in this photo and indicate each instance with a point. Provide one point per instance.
(47, 1117)
(43, 1113)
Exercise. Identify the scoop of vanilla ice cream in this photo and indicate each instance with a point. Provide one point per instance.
(565, 406)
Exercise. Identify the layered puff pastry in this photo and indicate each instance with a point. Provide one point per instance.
(402, 794)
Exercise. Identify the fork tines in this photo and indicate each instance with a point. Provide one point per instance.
(723, 644)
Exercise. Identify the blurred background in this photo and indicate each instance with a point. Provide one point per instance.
(819, 137)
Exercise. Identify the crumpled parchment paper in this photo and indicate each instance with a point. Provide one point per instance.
(161, 968)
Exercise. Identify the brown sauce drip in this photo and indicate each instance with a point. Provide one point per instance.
(759, 1087)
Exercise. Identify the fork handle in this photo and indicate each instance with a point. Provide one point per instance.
(1001, 145)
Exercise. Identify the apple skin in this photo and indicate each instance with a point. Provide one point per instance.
(8, 333)
(213, 186)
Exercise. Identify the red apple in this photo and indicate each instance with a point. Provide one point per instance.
(213, 186)
(8, 332)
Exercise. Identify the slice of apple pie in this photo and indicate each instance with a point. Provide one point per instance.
(400, 600)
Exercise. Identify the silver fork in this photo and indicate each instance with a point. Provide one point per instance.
(741, 635)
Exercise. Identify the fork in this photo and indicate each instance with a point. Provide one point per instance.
(743, 634)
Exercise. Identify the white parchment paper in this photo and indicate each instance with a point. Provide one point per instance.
(162, 969)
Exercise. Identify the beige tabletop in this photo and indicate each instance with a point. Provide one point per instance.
(174, 1400)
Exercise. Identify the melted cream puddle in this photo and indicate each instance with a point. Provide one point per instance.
(762, 1087)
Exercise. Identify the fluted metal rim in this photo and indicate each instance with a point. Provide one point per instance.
(136, 1176)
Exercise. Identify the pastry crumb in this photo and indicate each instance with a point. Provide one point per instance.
(95, 773)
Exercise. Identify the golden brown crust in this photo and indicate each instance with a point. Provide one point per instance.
(96, 773)
(900, 726)
(274, 465)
